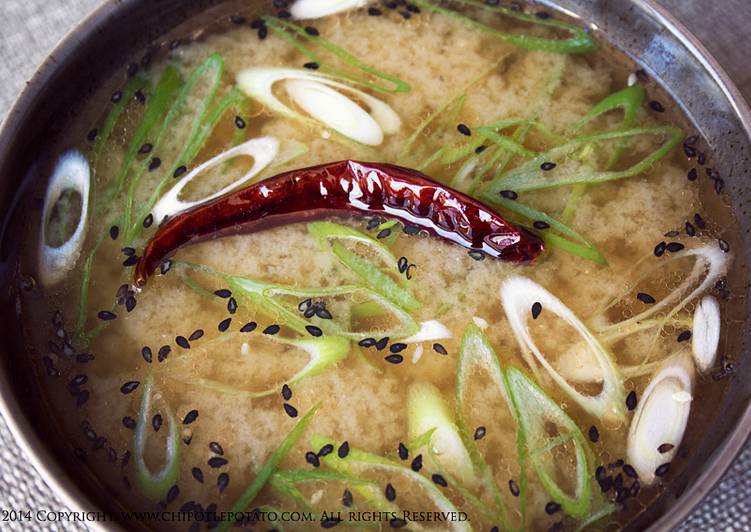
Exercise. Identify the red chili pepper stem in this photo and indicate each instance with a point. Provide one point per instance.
(341, 187)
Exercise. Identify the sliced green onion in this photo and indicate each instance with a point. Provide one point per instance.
(477, 353)
(269, 467)
(711, 262)
(288, 30)
(579, 42)
(518, 294)
(200, 89)
(529, 176)
(262, 150)
(155, 485)
(536, 411)
(61, 242)
(568, 240)
(427, 410)
(103, 135)
(329, 233)
(156, 106)
(324, 352)
(322, 98)
(661, 417)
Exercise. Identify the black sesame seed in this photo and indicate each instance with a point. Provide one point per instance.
(182, 342)
(374, 12)
(223, 293)
(310, 30)
(656, 106)
(313, 330)
(539, 224)
(116, 96)
(165, 266)
(412, 8)
(645, 298)
(394, 359)
(411, 230)
(155, 163)
(196, 335)
(114, 232)
(146, 353)
(286, 392)
(690, 229)
(312, 459)
(476, 254)
(634, 489)
(480, 433)
(263, 32)
(699, 221)
(691, 176)
(239, 123)
(662, 470)
(145, 148)
(397, 347)
(416, 464)
(174, 44)
(106, 315)
(347, 498)
(683, 336)
(82, 397)
(129, 422)
(224, 324)
(217, 461)
(674, 247)
(438, 348)
(323, 313)
(180, 170)
(130, 303)
(690, 141)
(271, 329)
(405, 14)
(156, 422)
(343, 450)
(514, 488)
(594, 434)
(536, 310)
(464, 130)
(509, 194)
(397, 522)
(91, 136)
(312, 65)
(701, 159)
(222, 481)
(130, 261)
(83, 358)
(380, 345)
(547, 166)
(543, 15)
(724, 246)
(665, 447)
(215, 447)
(197, 474)
(403, 451)
(384, 233)
(326, 450)
(672, 234)
(631, 400)
(629, 470)
(552, 507)
(659, 250)
(249, 327)
(689, 151)
(367, 342)
(284, 14)
(290, 410)
(129, 387)
(187, 440)
(492, 2)
(390, 492)
(163, 353)
(402, 264)
(190, 417)
(232, 305)
(257, 23)
(439, 480)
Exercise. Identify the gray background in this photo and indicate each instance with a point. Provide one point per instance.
(30, 28)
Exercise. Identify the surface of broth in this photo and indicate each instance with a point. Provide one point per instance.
(363, 398)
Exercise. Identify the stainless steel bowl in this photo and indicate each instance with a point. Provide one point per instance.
(122, 30)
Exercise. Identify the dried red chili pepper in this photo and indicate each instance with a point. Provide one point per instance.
(367, 188)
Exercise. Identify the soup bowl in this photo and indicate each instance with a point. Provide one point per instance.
(124, 31)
